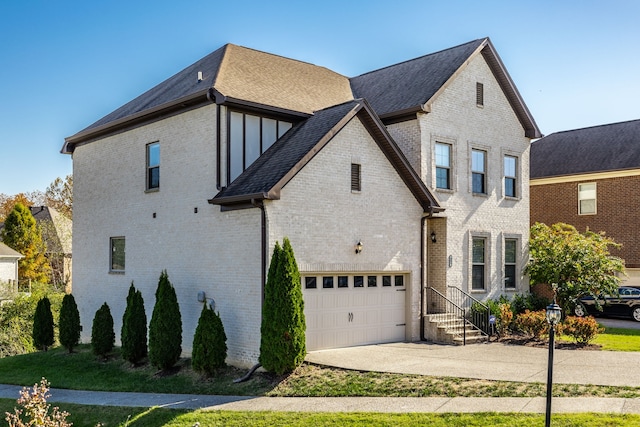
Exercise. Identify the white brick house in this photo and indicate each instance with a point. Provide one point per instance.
(202, 174)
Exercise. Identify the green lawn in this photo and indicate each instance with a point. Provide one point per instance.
(81, 370)
(617, 339)
(90, 416)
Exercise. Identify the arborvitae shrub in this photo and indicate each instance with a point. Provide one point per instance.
(69, 323)
(209, 343)
(102, 335)
(134, 328)
(282, 345)
(43, 325)
(165, 328)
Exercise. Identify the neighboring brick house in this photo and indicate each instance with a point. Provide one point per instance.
(357, 173)
(588, 178)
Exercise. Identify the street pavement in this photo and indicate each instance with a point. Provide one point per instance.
(491, 361)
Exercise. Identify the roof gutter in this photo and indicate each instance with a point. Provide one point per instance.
(127, 122)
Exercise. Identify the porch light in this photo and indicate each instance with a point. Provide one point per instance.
(433, 237)
(358, 247)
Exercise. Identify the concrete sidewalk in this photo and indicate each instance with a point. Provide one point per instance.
(491, 361)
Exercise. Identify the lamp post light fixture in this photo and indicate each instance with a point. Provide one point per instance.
(554, 314)
(358, 247)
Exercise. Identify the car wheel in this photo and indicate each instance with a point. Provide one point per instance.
(635, 313)
(580, 311)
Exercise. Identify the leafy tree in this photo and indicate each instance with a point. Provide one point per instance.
(165, 328)
(7, 203)
(43, 325)
(282, 345)
(575, 264)
(22, 234)
(59, 195)
(102, 336)
(209, 343)
(134, 328)
(69, 323)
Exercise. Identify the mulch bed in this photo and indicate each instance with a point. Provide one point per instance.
(515, 339)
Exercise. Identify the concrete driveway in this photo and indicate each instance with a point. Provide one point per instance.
(492, 361)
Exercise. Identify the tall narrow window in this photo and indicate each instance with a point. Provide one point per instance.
(510, 252)
(587, 199)
(479, 94)
(478, 263)
(356, 183)
(117, 255)
(250, 135)
(510, 180)
(478, 171)
(153, 166)
(443, 166)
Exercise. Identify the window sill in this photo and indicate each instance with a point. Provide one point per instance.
(478, 291)
(445, 190)
(480, 194)
(116, 272)
(152, 190)
(514, 199)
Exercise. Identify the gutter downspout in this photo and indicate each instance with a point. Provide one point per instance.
(211, 96)
(263, 236)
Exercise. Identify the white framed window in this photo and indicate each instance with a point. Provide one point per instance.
(116, 254)
(510, 176)
(587, 199)
(510, 263)
(153, 166)
(478, 171)
(443, 165)
(479, 263)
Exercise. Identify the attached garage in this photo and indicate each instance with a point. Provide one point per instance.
(343, 310)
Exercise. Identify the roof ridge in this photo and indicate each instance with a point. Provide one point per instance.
(420, 57)
(596, 126)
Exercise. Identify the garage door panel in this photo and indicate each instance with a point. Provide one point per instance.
(348, 316)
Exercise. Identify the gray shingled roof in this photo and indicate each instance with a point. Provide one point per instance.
(410, 84)
(242, 76)
(270, 172)
(595, 149)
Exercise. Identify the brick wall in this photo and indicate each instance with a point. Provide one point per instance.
(618, 207)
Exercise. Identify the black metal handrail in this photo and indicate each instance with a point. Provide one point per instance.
(443, 310)
(478, 313)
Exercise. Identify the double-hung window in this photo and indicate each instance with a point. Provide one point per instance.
(117, 254)
(250, 136)
(587, 199)
(510, 176)
(443, 166)
(478, 171)
(478, 255)
(153, 166)
(510, 257)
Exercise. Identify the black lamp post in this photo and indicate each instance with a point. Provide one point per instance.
(554, 314)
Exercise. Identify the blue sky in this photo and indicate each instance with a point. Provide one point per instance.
(65, 64)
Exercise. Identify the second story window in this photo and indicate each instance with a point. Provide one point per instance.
(153, 166)
(587, 199)
(510, 180)
(478, 171)
(443, 166)
(117, 255)
(250, 136)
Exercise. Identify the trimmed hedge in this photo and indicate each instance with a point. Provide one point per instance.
(69, 323)
(134, 328)
(165, 328)
(102, 336)
(43, 325)
(209, 343)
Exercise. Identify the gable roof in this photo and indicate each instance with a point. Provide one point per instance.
(230, 75)
(409, 87)
(236, 75)
(266, 177)
(7, 252)
(602, 148)
(58, 234)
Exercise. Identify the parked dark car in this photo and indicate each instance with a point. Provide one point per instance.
(625, 304)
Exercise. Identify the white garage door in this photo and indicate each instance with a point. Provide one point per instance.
(348, 310)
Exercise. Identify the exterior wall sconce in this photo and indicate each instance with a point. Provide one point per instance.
(433, 237)
(358, 247)
(450, 260)
(202, 297)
